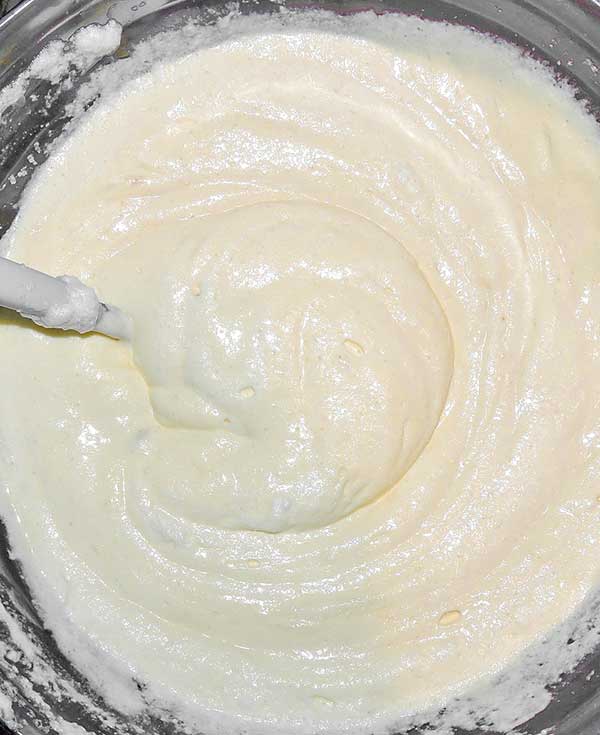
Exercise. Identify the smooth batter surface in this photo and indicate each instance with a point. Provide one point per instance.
(349, 465)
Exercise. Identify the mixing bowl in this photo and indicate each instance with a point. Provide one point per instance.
(36, 681)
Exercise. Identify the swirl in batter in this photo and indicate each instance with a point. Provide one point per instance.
(348, 466)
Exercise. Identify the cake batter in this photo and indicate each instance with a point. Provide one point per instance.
(347, 467)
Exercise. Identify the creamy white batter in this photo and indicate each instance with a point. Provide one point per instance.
(349, 465)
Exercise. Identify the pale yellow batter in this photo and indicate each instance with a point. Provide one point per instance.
(349, 465)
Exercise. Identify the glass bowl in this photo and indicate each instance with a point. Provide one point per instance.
(563, 33)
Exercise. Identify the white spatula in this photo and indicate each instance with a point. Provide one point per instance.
(59, 303)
